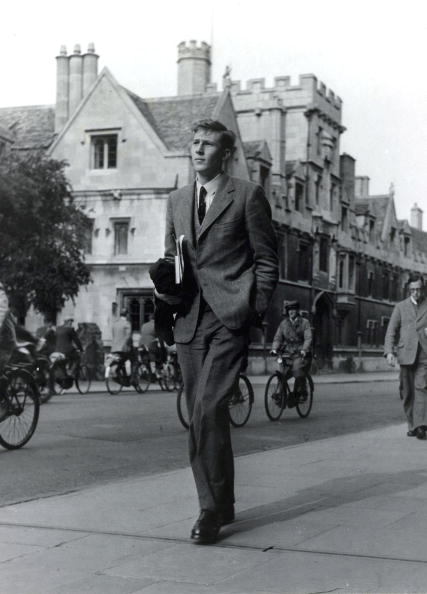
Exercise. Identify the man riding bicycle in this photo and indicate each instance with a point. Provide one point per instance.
(68, 343)
(293, 341)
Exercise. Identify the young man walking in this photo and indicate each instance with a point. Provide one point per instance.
(230, 272)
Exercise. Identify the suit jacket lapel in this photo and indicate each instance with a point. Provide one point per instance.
(223, 197)
(422, 310)
(186, 213)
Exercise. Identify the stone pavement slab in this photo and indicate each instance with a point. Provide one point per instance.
(345, 514)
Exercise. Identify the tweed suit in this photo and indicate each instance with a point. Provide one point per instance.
(407, 332)
(230, 273)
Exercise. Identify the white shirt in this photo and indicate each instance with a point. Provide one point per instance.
(211, 188)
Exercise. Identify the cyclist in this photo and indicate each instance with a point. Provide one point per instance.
(68, 343)
(155, 347)
(293, 341)
(122, 341)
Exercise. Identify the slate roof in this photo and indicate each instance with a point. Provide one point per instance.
(252, 148)
(173, 117)
(374, 205)
(419, 239)
(31, 127)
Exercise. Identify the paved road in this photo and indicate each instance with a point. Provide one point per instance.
(89, 440)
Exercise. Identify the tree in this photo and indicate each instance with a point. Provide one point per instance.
(42, 235)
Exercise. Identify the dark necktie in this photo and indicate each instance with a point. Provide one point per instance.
(201, 209)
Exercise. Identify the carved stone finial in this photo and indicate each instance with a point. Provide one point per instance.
(391, 190)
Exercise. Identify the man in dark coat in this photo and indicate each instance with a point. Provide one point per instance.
(293, 340)
(68, 343)
(230, 272)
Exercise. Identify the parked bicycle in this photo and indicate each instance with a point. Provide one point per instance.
(279, 394)
(239, 405)
(19, 401)
(64, 374)
(122, 372)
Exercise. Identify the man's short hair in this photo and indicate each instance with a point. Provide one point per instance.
(415, 277)
(227, 138)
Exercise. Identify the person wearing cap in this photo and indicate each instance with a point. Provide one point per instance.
(293, 341)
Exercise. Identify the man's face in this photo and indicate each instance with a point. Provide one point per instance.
(292, 313)
(207, 153)
(416, 290)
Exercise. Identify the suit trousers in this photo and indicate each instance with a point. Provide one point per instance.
(210, 364)
(413, 391)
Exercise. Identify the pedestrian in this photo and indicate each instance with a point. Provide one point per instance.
(230, 272)
(293, 340)
(407, 329)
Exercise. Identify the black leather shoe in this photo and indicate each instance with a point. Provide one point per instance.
(411, 433)
(206, 529)
(226, 515)
(421, 433)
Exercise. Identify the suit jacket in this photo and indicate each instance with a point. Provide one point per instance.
(232, 258)
(406, 328)
(67, 340)
(293, 337)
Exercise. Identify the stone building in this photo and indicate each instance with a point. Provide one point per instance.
(343, 253)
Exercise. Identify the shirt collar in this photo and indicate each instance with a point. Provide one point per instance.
(211, 186)
(413, 300)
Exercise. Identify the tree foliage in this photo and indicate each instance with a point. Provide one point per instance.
(42, 234)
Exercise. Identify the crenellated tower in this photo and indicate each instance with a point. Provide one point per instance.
(194, 67)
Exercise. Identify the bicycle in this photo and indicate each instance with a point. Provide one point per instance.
(19, 405)
(61, 379)
(278, 395)
(169, 374)
(239, 406)
(117, 377)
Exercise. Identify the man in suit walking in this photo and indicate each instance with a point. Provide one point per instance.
(408, 329)
(230, 273)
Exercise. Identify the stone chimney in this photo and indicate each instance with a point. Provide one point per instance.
(361, 188)
(62, 89)
(194, 67)
(76, 79)
(75, 74)
(90, 68)
(417, 217)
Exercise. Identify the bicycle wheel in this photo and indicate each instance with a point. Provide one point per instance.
(240, 404)
(168, 377)
(113, 378)
(142, 380)
(83, 380)
(23, 405)
(305, 402)
(42, 377)
(56, 388)
(274, 397)
(181, 408)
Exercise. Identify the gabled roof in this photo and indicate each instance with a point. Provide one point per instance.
(172, 117)
(31, 127)
(257, 149)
